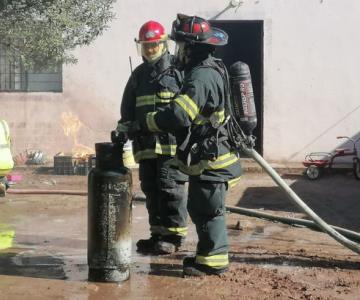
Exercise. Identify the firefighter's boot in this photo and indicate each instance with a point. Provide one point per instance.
(191, 268)
(169, 244)
(148, 245)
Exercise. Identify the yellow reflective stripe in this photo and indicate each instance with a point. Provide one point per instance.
(192, 170)
(175, 230)
(168, 230)
(144, 154)
(219, 115)
(234, 182)
(150, 122)
(165, 95)
(6, 239)
(223, 161)
(145, 100)
(161, 97)
(219, 260)
(165, 149)
(200, 120)
(188, 105)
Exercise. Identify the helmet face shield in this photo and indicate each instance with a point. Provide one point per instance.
(151, 51)
(180, 54)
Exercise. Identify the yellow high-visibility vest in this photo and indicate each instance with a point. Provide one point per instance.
(6, 161)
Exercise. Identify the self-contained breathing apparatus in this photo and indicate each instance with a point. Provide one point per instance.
(240, 114)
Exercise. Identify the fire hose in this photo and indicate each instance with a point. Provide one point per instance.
(46, 192)
(290, 221)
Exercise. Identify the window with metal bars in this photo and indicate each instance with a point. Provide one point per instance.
(14, 77)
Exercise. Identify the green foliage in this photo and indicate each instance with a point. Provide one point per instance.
(44, 31)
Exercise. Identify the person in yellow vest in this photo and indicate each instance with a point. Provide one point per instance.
(6, 160)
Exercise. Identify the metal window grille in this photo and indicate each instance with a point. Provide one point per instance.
(14, 77)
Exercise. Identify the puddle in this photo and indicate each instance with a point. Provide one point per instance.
(32, 264)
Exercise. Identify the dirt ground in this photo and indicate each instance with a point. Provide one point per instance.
(47, 259)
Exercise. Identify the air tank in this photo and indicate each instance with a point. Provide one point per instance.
(243, 96)
(109, 216)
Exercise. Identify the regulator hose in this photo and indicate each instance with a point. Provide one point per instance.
(296, 199)
(290, 221)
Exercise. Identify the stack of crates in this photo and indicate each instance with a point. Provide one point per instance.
(68, 165)
(64, 165)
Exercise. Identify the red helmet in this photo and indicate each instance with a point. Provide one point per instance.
(196, 30)
(152, 31)
(152, 42)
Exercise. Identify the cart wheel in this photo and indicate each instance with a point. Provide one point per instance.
(356, 169)
(313, 172)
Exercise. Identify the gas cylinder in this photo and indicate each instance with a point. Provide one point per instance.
(243, 96)
(109, 215)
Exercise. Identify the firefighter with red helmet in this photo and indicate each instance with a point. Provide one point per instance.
(197, 117)
(153, 85)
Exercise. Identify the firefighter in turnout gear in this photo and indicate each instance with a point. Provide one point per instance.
(6, 161)
(153, 85)
(197, 117)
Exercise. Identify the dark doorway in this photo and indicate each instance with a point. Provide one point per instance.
(246, 44)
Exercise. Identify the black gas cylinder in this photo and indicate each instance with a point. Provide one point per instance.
(109, 216)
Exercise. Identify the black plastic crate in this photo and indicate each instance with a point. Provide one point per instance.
(68, 165)
(64, 165)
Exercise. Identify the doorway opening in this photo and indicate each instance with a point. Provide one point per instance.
(246, 44)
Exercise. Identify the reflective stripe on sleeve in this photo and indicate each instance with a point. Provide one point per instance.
(162, 97)
(188, 105)
(150, 122)
(215, 261)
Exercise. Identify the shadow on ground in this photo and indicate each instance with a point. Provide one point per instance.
(334, 197)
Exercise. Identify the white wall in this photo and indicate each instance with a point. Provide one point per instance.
(311, 75)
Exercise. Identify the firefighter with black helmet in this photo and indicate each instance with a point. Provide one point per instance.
(153, 85)
(197, 117)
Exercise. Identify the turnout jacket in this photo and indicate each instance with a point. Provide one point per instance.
(199, 105)
(150, 87)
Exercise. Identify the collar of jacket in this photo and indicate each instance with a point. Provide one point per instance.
(198, 61)
(160, 65)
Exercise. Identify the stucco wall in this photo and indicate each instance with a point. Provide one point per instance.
(311, 66)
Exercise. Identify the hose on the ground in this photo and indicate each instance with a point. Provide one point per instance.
(296, 199)
(46, 192)
(290, 221)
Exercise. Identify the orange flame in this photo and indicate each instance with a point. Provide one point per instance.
(71, 126)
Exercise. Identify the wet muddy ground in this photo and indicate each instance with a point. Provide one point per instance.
(46, 258)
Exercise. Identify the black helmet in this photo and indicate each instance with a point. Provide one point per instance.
(196, 30)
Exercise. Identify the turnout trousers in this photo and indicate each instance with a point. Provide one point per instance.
(164, 188)
(206, 206)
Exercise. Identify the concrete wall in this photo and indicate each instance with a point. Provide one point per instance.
(311, 76)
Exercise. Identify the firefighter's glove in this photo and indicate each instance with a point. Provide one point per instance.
(134, 130)
(250, 141)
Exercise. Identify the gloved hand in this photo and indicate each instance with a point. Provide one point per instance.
(119, 137)
(250, 141)
(129, 129)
